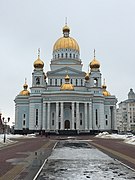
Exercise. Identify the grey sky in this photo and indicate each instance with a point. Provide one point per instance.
(106, 25)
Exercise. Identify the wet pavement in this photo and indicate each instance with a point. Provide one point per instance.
(76, 160)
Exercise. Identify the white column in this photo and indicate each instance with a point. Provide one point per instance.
(57, 115)
(44, 116)
(114, 118)
(73, 109)
(77, 116)
(86, 123)
(90, 117)
(48, 117)
(62, 123)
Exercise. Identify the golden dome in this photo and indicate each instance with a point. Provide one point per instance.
(106, 93)
(66, 28)
(87, 76)
(67, 78)
(25, 92)
(66, 42)
(104, 86)
(38, 63)
(67, 86)
(94, 64)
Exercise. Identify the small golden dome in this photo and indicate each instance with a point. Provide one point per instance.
(66, 28)
(67, 86)
(106, 93)
(66, 42)
(104, 86)
(87, 76)
(94, 64)
(25, 92)
(67, 78)
(38, 63)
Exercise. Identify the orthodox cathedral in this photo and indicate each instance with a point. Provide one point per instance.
(65, 100)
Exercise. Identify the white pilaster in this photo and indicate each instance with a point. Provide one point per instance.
(73, 109)
(77, 116)
(90, 116)
(86, 123)
(57, 115)
(48, 117)
(62, 123)
(44, 116)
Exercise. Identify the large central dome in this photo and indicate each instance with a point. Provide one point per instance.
(66, 42)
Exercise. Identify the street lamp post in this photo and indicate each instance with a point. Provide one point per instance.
(5, 126)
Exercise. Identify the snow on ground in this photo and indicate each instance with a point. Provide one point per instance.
(10, 138)
(128, 138)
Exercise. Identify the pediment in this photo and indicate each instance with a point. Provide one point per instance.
(66, 70)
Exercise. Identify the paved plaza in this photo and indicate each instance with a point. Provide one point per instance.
(23, 159)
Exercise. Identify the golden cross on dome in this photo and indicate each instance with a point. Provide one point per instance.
(38, 52)
(104, 81)
(25, 80)
(94, 53)
(65, 20)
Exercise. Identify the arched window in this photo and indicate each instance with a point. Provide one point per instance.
(36, 123)
(56, 82)
(50, 81)
(96, 117)
(71, 81)
(66, 55)
(81, 82)
(61, 82)
(58, 55)
(62, 55)
(95, 82)
(70, 55)
(73, 55)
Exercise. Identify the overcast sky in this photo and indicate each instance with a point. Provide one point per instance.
(26, 25)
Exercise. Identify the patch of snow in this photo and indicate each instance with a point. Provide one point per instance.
(128, 138)
(13, 136)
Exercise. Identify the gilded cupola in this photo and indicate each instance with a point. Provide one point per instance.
(105, 92)
(25, 92)
(94, 64)
(66, 42)
(38, 63)
(67, 86)
(87, 76)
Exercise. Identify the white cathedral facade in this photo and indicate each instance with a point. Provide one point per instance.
(65, 99)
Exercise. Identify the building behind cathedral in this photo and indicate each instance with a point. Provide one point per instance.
(126, 113)
(65, 99)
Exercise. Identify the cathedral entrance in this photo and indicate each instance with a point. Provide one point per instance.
(67, 124)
